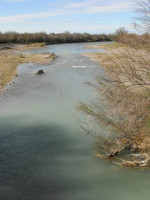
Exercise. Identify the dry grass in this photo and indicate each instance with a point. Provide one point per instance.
(113, 45)
(9, 63)
(41, 44)
(109, 46)
(20, 47)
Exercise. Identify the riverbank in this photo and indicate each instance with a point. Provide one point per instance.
(11, 57)
(127, 111)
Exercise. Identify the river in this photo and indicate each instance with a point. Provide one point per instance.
(44, 154)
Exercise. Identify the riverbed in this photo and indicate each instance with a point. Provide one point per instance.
(44, 153)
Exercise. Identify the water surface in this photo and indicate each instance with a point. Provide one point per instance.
(43, 153)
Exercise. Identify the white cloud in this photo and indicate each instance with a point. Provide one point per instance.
(68, 9)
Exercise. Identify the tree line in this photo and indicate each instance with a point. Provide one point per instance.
(52, 38)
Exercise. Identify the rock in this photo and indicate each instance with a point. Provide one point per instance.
(39, 72)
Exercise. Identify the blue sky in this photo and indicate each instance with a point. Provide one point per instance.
(93, 16)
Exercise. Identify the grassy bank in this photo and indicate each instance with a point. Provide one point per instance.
(10, 61)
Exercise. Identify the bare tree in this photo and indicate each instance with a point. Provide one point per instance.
(142, 21)
(120, 32)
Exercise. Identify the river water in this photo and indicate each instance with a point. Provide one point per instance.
(44, 155)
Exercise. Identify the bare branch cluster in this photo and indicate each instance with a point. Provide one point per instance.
(127, 94)
(142, 21)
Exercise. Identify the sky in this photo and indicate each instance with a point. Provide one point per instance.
(55, 16)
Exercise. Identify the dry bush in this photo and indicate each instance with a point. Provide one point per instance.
(120, 32)
(126, 114)
(131, 40)
(131, 67)
(136, 41)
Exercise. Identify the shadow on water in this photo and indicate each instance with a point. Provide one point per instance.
(44, 162)
(38, 161)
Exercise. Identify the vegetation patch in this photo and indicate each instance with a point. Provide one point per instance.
(52, 38)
